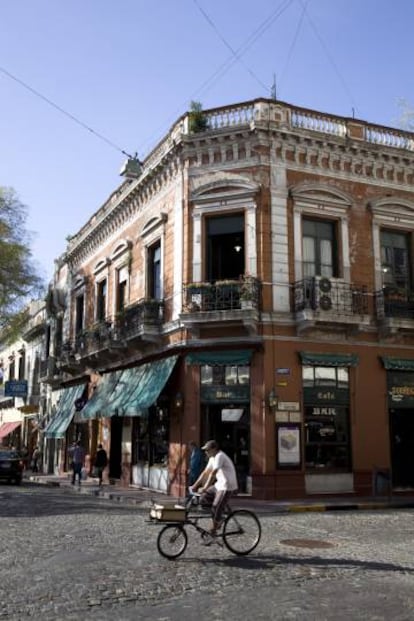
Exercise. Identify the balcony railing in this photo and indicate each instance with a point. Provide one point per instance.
(224, 295)
(395, 303)
(132, 321)
(330, 296)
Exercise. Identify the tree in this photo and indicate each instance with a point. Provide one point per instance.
(19, 280)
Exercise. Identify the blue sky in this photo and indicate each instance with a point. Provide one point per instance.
(129, 68)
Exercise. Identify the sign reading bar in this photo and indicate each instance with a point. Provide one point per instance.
(15, 388)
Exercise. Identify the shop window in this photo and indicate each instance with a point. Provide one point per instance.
(327, 428)
(395, 260)
(101, 294)
(327, 438)
(152, 437)
(224, 375)
(325, 376)
(319, 248)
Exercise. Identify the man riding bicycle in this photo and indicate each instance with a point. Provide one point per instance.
(217, 482)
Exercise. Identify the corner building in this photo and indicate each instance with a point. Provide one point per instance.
(250, 282)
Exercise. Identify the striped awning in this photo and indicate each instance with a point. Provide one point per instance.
(7, 428)
(65, 410)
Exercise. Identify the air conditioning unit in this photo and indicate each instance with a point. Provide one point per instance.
(331, 295)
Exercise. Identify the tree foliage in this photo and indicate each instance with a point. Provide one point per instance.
(198, 122)
(19, 280)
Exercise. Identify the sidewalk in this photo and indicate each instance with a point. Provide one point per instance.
(143, 498)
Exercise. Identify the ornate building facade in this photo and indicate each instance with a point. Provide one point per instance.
(251, 282)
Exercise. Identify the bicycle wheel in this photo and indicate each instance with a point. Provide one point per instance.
(241, 532)
(172, 541)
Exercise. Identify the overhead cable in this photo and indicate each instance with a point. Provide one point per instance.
(63, 111)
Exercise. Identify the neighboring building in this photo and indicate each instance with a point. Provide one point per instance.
(20, 405)
(253, 282)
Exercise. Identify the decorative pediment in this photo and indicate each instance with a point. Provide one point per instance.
(120, 248)
(208, 188)
(320, 194)
(392, 207)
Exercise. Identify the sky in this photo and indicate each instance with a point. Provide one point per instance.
(127, 69)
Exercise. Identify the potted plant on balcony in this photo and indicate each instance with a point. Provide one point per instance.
(247, 292)
(198, 287)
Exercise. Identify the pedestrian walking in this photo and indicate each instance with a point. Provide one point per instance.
(196, 463)
(101, 461)
(35, 459)
(78, 458)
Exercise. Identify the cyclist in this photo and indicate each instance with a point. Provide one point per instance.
(216, 483)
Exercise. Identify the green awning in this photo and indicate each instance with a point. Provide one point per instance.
(398, 364)
(145, 384)
(129, 392)
(98, 405)
(328, 360)
(64, 411)
(228, 357)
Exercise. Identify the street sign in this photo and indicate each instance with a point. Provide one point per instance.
(15, 388)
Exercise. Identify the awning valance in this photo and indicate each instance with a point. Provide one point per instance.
(228, 357)
(65, 410)
(7, 428)
(398, 364)
(328, 360)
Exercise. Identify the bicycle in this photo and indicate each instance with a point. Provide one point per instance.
(240, 530)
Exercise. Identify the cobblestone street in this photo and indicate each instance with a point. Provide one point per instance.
(70, 556)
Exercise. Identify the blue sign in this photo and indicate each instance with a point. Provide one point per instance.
(15, 388)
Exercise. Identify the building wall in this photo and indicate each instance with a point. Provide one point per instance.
(276, 164)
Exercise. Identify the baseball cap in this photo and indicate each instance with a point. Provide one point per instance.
(210, 445)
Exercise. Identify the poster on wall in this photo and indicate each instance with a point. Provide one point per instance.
(288, 445)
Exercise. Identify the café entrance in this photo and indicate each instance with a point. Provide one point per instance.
(230, 427)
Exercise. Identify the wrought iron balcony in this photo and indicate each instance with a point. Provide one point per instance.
(143, 319)
(320, 299)
(49, 370)
(395, 303)
(222, 295)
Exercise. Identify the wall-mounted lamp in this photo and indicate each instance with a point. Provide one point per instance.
(178, 401)
(272, 400)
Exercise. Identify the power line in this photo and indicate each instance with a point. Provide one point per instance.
(224, 67)
(229, 47)
(294, 41)
(328, 54)
(60, 109)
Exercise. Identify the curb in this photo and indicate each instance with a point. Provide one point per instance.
(271, 508)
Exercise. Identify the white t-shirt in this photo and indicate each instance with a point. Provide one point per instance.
(226, 478)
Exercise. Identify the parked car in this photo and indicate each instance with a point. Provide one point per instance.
(11, 466)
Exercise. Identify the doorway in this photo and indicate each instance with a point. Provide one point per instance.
(402, 442)
(115, 452)
(229, 425)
